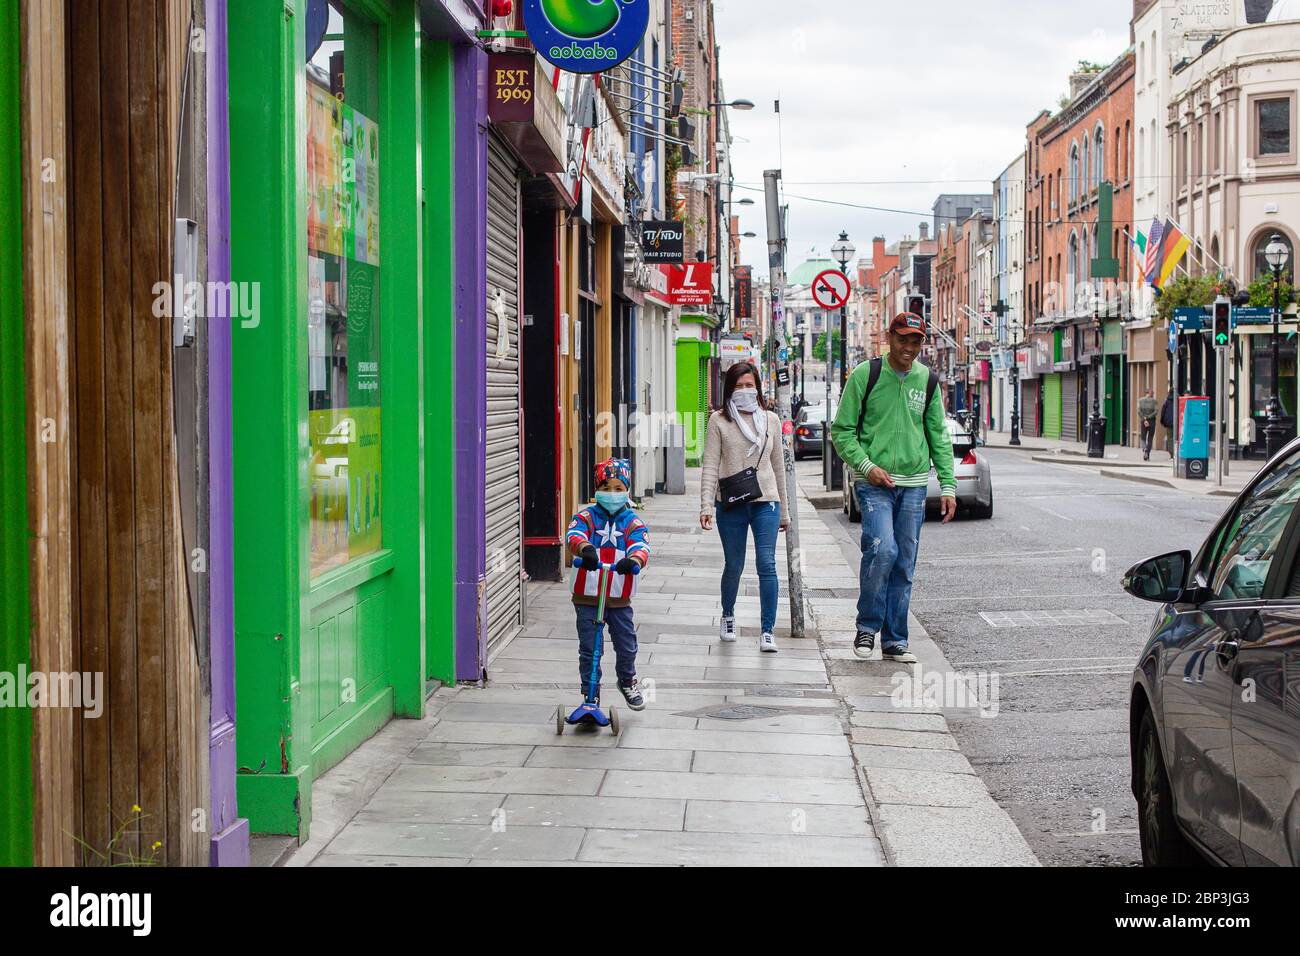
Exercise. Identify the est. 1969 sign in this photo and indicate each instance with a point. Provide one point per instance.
(586, 36)
(510, 87)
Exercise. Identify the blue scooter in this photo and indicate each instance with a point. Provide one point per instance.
(589, 711)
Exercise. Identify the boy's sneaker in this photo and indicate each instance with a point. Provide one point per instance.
(632, 694)
(767, 643)
(864, 645)
(727, 630)
(899, 654)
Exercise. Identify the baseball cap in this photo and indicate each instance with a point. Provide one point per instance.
(908, 323)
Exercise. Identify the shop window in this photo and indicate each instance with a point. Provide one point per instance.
(343, 287)
(1262, 377)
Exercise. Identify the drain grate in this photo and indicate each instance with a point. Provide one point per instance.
(1097, 617)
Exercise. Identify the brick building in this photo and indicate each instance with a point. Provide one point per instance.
(694, 52)
(1069, 155)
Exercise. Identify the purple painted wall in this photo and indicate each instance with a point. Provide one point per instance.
(470, 413)
(229, 844)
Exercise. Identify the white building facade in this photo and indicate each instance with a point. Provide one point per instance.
(1009, 224)
(1232, 164)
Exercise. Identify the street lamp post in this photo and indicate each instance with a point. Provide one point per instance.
(1001, 310)
(1097, 423)
(969, 342)
(1276, 253)
(843, 250)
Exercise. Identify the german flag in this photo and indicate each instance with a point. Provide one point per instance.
(1173, 245)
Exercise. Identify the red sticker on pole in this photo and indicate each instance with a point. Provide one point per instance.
(787, 428)
(831, 289)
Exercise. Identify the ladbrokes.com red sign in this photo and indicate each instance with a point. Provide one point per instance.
(690, 284)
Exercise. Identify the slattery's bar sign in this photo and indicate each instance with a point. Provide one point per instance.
(744, 292)
(510, 87)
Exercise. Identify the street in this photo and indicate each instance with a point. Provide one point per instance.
(1056, 755)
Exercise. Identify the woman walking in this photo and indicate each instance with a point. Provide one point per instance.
(743, 488)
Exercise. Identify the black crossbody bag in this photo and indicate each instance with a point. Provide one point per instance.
(742, 487)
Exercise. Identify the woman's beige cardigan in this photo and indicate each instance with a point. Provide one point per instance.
(726, 451)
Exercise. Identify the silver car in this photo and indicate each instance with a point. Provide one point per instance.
(970, 468)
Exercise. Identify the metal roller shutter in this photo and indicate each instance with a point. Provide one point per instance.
(1029, 408)
(1052, 405)
(504, 536)
(1070, 406)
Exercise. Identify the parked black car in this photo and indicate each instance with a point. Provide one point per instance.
(1214, 707)
(809, 431)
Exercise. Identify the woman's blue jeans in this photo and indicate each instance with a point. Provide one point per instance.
(734, 524)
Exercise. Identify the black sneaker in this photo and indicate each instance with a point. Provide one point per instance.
(864, 645)
(900, 654)
(632, 693)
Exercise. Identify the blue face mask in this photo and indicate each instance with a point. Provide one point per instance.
(612, 501)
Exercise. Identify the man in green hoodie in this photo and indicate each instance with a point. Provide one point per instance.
(889, 428)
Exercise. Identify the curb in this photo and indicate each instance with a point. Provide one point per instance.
(1077, 461)
(1166, 483)
(1144, 479)
(928, 806)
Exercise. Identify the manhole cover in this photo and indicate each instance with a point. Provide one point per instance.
(1080, 618)
(737, 712)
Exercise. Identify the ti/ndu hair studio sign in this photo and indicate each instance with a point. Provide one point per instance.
(586, 36)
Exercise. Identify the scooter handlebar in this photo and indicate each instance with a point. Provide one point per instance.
(578, 563)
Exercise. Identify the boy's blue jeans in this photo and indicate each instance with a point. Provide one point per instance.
(733, 527)
(622, 633)
(891, 530)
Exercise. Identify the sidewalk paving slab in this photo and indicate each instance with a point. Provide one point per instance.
(741, 758)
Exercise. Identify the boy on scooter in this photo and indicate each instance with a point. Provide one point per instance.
(609, 532)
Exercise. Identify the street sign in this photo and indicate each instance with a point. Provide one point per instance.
(783, 376)
(1252, 315)
(831, 289)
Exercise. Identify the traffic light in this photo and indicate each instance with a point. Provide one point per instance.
(1222, 322)
(916, 305)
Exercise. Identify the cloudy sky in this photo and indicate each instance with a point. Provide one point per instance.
(897, 101)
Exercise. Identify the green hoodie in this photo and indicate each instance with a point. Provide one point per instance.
(897, 433)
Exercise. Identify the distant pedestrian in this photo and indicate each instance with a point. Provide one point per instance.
(888, 430)
(743, 489)
(609, 532)
(1147, 406)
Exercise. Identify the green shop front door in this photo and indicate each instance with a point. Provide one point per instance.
(329, 601)
(1052, 405)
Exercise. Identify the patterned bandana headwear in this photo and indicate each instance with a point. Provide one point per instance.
(619, 468)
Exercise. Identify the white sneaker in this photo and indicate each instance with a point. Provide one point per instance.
(727, 630)
(767, 644)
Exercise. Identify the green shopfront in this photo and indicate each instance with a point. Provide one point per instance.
(15, 640)
(695, 356)
(342, 140)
